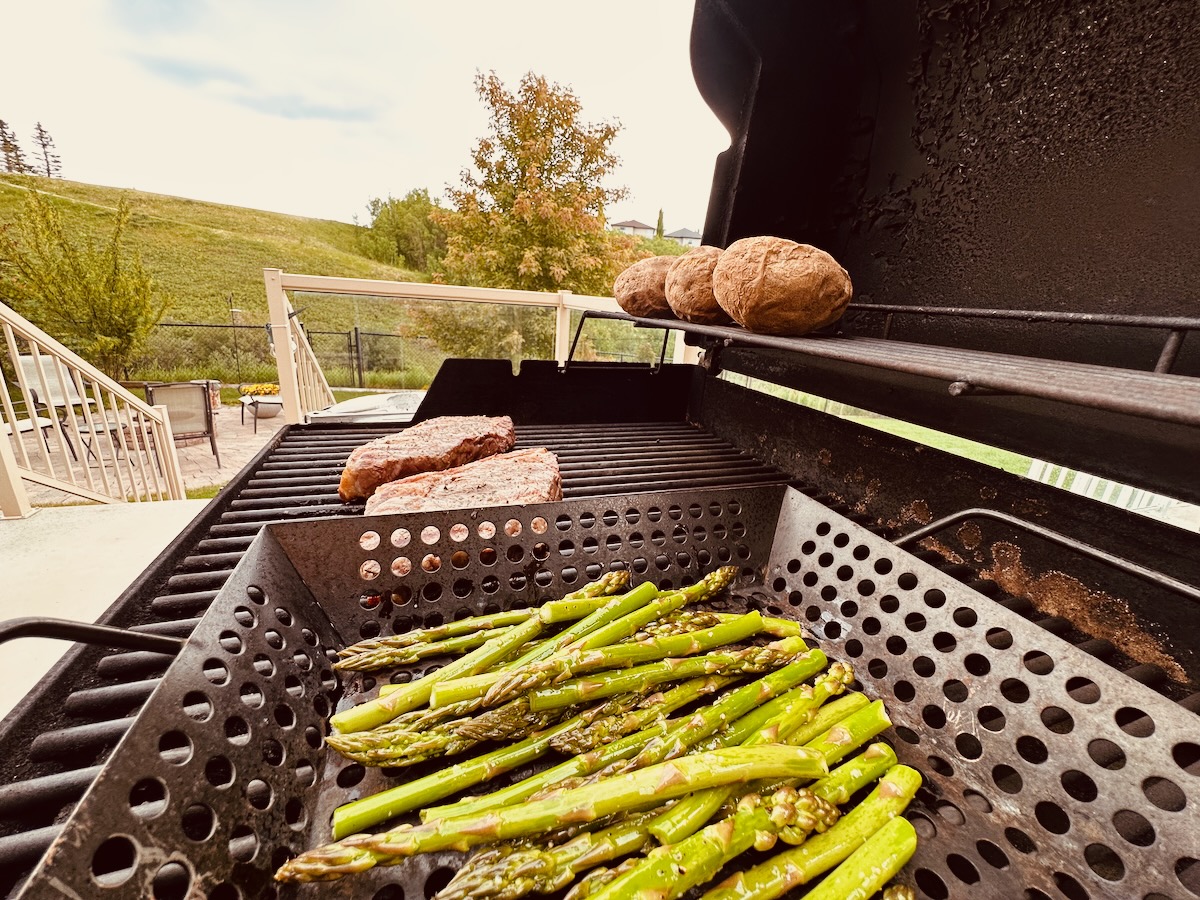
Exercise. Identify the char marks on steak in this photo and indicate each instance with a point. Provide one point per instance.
(523, 476)
(430, 446)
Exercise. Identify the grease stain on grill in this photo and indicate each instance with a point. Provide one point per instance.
(1092, 612)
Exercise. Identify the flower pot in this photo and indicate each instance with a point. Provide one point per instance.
(266, 410)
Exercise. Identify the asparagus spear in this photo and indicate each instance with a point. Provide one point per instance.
(635, 791)
(576, 662)
(654, 708)
(582, 764)
(402, 744)
(780, 628)
(752, 660)
(556, 660)
(416, 693)
(673, 869)
(507, 873)
(459, 628)
(692, 812)
(573, 606)
(680, 622)
(872, 865)
(386, 657)
(704, 722)
(800, 865)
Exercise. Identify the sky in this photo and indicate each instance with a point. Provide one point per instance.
(313, 108)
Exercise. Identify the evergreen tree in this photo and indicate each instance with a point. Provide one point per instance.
(97, 298)
(46, 161)
(658, 229)
(14, 159)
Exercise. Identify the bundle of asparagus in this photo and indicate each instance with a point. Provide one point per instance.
(671, 796)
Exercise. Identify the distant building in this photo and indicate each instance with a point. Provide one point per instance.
(685, 236)
(633, 226)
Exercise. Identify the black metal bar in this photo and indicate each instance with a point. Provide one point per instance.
(85, 633)
(1170, 351)
(1155, 396)
(1102, 556)
(1182, 323)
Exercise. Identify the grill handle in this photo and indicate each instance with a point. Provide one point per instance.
(83, 632)
(1103, 556)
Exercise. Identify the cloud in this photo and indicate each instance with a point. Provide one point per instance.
(156, 16)
(241, 89)
(191, 74)
(297, 107)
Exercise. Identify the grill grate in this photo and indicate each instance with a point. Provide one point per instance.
(1046, 770)
(54, 758)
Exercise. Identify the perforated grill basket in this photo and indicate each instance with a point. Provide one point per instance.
(1046, 772)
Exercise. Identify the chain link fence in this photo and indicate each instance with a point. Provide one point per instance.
(406, 359)
(238, 354)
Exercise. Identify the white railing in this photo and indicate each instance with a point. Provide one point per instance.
(66, 425)
(302, 386)
(1114, 493)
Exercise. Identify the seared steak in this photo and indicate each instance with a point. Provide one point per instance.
(523, 476)
(436, 444)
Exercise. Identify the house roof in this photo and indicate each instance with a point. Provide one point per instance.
(632, 223)
(684, 233)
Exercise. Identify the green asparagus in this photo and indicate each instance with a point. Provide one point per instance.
(673, 869)
(752, 660)
(637, 790)
(578, 661)
(872, 865)
(692, 812)
(800, 865)
(386, 657)
(416, 693)
(506, 872)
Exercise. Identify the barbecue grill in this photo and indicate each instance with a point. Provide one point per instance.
(974, 168)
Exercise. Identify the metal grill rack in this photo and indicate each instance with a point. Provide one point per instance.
(1019, 733)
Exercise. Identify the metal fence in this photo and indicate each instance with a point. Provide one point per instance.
(237, 354)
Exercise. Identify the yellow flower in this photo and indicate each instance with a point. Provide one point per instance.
(259, 390)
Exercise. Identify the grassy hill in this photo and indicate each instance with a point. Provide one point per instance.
(199, 253)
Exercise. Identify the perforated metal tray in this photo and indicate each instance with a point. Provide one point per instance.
(1047, 774)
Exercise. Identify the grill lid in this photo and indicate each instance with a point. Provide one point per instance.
(1025, 155)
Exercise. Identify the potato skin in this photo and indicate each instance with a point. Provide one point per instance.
(771, 285)
(689, 287)
(641, 289)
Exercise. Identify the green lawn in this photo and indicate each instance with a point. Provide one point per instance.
(200, 253)
(992, 456)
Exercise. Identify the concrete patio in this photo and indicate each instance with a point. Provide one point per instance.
(71, 560)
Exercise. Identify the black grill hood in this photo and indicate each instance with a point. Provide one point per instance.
(1017, 155)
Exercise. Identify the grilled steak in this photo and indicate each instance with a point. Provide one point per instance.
(523, 476)
(431, 446)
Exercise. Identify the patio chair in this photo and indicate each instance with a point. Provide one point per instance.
(53, 396)
(23, 426)
(190, 408)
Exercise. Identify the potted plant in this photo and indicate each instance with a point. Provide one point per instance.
(251, 394)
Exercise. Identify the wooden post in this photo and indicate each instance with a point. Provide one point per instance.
(281, 335)
(14, 500)
(562, 328)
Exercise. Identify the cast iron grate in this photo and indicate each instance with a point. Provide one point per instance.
(1046, 771)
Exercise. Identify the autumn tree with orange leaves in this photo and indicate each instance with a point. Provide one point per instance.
(529, 213)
